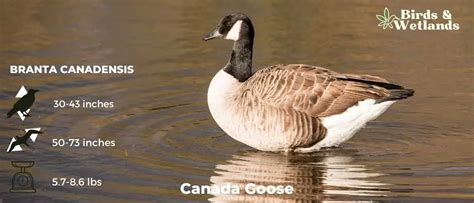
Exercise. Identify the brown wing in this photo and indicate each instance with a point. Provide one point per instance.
(315, 91)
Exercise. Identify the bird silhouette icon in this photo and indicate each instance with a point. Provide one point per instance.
(23, 139)
(23, 104)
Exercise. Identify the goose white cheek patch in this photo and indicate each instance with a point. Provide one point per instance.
(234, 32)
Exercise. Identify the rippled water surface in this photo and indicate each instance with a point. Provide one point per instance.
(420, 149)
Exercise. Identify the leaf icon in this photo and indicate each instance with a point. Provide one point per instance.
(386, 20)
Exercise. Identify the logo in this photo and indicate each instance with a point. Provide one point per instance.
(410, 19)
(386, 20)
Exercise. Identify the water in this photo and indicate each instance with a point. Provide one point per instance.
(420, 149)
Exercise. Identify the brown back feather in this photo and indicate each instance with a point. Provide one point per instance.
(316, 91)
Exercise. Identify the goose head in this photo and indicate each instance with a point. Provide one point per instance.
(234, 27)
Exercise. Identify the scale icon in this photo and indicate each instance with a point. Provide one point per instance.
(22, 182)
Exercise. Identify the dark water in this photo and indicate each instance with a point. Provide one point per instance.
(420, 149)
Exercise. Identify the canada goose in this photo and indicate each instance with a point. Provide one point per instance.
(295, 107)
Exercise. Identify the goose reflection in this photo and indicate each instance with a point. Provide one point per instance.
(313, 177)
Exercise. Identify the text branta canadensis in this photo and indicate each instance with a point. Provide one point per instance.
(293, 107)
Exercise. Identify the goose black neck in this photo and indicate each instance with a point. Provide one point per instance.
(240, 63)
